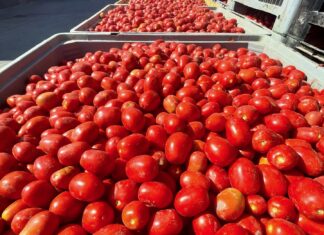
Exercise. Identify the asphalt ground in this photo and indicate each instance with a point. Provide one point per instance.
(27, 24)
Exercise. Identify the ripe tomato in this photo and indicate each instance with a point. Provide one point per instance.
(142, 168)
(97, 215)
(174, 151)
(135, 215)
(86, 187)
(165, 221)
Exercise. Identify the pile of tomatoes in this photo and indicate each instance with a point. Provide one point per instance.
(164, 139)
(165, 16)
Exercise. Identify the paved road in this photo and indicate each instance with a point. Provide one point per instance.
(25, 25)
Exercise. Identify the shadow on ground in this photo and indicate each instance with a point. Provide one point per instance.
(25, 25)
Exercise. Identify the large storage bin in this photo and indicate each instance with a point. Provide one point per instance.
(250, 27)
(68, 46)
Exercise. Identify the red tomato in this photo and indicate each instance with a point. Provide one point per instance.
(70, 154)
(86, 187)
(230, 228)
(282, 157)
(38, 193)
(97, 162)
(86, 132)
(9, 141)
(220, 152)
(42, 223)
(245, 176)
(256, 204)
(274, 182)
(238, 132)
(22, 217)
(51, 143)
(281, 226)
(133, 119)
(191, 201)
(306, 195)
(142, 168)
(164, 222)
(107, 116)
(132, 145)
(157, 136)
(205, 224)
(191, 71)
(72, 229)
(174, 151)
(113, 229)
(25, 152)
(135, 215)
(45, 166)
(188, 111)
(66, 207)
(155, 194)
(124, 192)
(97, 215)
(12, 184)
(282, 208)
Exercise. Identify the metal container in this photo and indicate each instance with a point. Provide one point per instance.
(68, 46)
(250, 27)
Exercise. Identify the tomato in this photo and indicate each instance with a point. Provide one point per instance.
(281, 226)
(172, 123)
(86, 187)
(264, 139)
(50, 144)
(85, 132)
(278, 123)
(197, 161)
(72, 229)
(66, 207)
(21, 218)
(45, 166)
(238, 132)
(149, 100)
(296, 119)
(188, 111)
(215, 122)
(245, 176)
(97, 162)
(310, 161)
(174, 151)
(133, 119)
(164, 222)
(220, 152)
(42, 223)
(251, 224)
(132, 145)
(274, 182)
(230, 204)
(256, 204)
(191, 71)
(70, 154)
(97, 215)
(157, 136)
(306, 195)
(230, 228)
(38, 193)
(142, 168)
(113, 229)
(12, 184)
(205, 224)
(135, 215)
(155, 194)
(282, 208)
(310, 226)
(47, 100)
(191, 201)
(124, 192)
(283, 157)
(107, 116)
(25, 152)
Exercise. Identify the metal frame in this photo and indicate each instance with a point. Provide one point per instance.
(67, 46)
